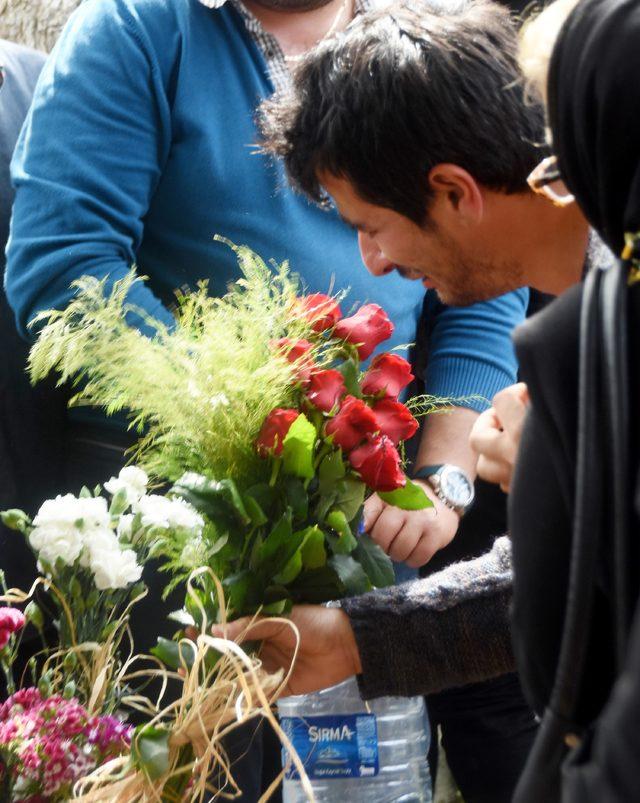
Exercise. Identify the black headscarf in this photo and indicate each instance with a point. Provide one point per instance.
(594, 113)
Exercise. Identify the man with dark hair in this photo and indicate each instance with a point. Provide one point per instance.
(414, 122)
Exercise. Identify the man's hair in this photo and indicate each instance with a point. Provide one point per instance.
(402, 90)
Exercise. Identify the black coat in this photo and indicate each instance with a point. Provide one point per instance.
(541, 511)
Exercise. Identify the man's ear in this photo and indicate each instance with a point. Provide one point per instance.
(457, 191)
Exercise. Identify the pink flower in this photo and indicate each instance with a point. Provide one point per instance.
(388, 375)
(325, 389)
(366, 329)
(11, 620)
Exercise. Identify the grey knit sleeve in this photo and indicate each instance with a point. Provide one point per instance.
(449, 629)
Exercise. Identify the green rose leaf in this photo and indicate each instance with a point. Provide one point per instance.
(297, 498)
(375, 562)
(411, 497)
(345, 543)
(331, 470)
(172, 654)
(243, 591)
(350, 497)
(315, 586)
(314, 555)
(150, 750)
(297, 448)
(291, 570)
(254, 511)
(351, 574)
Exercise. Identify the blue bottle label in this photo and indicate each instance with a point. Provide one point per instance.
(333, 746)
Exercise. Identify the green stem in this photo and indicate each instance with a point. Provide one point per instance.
(275, 470)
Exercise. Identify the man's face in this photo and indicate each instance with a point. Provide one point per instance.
(463, 263)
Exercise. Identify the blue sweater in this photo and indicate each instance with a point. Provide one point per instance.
(139, 148)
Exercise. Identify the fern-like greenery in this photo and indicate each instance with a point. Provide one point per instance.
(198, 393)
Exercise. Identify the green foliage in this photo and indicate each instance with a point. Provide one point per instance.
(198, 392)
(410, 497)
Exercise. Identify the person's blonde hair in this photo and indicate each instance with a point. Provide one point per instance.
(537, 40)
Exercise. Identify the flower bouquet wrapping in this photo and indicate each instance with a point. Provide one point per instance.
(257, 415)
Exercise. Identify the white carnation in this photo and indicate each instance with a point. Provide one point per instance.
(61, 524)
(53, 541)
(132, 480)
(158, 511)
(98, 541)
(115, 568)
(69, 510)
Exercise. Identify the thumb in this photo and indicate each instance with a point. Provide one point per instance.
(248, 629)
(373, 507)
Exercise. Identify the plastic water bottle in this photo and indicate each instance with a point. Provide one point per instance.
(356, 752)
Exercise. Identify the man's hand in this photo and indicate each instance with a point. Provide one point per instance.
(327, 655)
(496, 435)
(411, 536)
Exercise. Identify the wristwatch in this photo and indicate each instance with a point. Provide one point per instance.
(451, 484)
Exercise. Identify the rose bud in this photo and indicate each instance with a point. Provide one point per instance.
(394, 420)
(352, 423)
(378, 464)
(325, 389)
(274, 431)
(296, 351)
(388, 375)
(366, 329)
(322, 311)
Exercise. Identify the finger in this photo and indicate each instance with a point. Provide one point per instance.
(246, 629)
(425, 549)
(495, 471)
(403, 544)
(373, 507)
(484, 429)
(511, 409)
(387, 527)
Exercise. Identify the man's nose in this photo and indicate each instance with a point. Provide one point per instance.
(376, 262)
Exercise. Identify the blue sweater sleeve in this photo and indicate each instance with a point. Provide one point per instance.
(87, 162)
(470, 350)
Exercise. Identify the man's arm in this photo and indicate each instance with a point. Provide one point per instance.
(469, 358)
(87, 162)
(415, 536)
(446, 630)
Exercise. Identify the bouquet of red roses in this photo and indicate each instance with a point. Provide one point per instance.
(298, 536)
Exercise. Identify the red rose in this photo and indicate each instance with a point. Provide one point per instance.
(274, 431)
(322, 312)
(325, 389)
(366, 329)
(11, 620)
(296, 351)
(378, 464)
(352, 423)
(388, 374)
(394, 420)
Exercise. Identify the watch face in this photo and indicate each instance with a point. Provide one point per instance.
(456, 487)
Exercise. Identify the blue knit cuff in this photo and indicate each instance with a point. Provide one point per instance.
(475, 383)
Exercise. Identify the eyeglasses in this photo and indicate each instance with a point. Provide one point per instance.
(545, 179)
